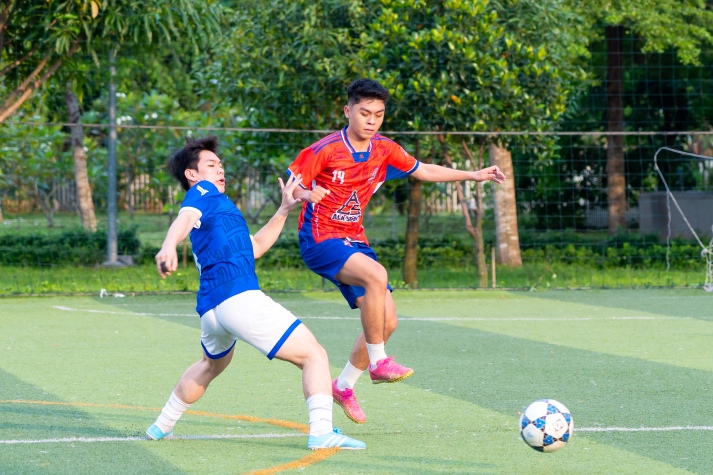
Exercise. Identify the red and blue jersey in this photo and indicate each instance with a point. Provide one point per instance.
(351, 177)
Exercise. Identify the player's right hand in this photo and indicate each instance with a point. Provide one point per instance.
(289, 201)
(166, 262)
(317, 194)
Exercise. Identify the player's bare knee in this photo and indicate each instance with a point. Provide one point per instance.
(318, 353)
(377, 278)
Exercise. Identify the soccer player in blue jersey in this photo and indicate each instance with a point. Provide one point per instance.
(229, 301)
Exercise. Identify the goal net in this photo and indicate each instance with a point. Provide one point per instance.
(706, 250)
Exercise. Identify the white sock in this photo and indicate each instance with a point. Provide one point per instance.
(376, 353)
(349, 377)
(320, 414)
(172, 411)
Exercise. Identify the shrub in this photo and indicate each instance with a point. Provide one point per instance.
(73, 247)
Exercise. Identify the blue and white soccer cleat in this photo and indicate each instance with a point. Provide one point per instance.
(334, 439)
(155, 433)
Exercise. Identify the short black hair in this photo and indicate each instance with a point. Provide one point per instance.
(187, 157)
(366, 89)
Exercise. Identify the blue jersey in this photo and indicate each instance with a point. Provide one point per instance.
(221, 246)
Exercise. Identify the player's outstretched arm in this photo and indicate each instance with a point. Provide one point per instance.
(437, 173)
(167, 259)
(268, 234)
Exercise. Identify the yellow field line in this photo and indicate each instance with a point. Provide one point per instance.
(313, 458)
(316, 456)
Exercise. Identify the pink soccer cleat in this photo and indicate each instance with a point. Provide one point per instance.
(348, 401)
(388, 371)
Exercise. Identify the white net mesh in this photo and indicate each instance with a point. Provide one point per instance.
(708, 255)
(706, 251)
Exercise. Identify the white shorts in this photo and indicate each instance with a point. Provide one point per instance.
(250, 316)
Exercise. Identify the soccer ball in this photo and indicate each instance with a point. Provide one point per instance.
(546, 425)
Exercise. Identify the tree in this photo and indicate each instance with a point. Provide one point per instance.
(287, 64)
(44, 166)
(284, 65)
(42, 33)
(473, 66)
(38, 36)
(450, 65)
(81, 176)
(683, 25)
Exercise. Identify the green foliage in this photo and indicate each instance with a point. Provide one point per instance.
(683, 25)
(72, 247)
(39, 36)
(35, 161)
(57, 25)
(470, 63)
(287, 64)
(30, 158)
(641, 255)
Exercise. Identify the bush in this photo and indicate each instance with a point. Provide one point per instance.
(74, 247)
(79, 247)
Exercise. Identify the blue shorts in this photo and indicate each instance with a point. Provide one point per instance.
(328, 257)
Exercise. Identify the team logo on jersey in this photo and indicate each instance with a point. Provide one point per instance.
(201, 189)
(350, 212)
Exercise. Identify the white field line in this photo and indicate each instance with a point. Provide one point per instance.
(401, 319)
(134, 439)
(72, 440)
(108, 312)
(641, 429)
(503, 319)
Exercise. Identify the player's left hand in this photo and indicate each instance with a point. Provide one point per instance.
(288, 200)
(490, 174)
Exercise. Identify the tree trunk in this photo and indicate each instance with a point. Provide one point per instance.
(616, 178)
(506, 232)
(476, 232)
(46, 201)
(478, 244)
(84, 190)
(414, 212)
(1, 218)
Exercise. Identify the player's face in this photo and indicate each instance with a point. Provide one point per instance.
(365, 117)
(210, 168)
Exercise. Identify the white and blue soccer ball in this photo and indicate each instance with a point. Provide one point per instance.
(546, 425)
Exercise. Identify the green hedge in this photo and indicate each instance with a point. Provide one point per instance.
(72, 247)
(78, 247)
(618, 251)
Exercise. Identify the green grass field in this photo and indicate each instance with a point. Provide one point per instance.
(81, 378)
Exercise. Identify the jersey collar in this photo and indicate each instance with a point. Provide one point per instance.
(357, 156)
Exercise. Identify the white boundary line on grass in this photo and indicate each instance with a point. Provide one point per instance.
(402, 319)
(135, 439)
(275, 435)
(642, 429)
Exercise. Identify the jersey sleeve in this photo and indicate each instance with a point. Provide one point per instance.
(201, 198)
(309, 165)
(400, 163)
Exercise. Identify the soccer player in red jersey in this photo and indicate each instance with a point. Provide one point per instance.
(340, 174)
